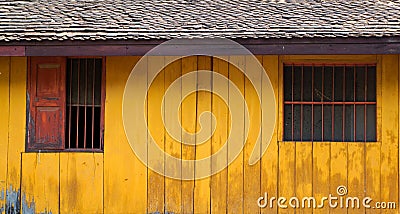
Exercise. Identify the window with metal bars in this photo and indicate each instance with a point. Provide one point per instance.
(66, 104)
(329, 102)
(84, 104)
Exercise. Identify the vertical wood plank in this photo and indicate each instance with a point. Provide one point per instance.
(287, 174)
(251, 173)
(235, 169)
(140, 172)
(321, 174)
(355, 173)
(373, 174)
(338, 173)
(269, 161)
(123, 172)
(373, 150)
(379, 98)
(138, 176)
(155, 181)
(40, 182)
(173, 187)
(81, 183)
(286, 156)
(221, 112)
(4, 114)
(398, 124)
(189, 64)
(390, 131)
(17, 122)
(202, 192)
(304, 173)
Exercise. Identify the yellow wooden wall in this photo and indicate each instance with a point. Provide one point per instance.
(12, 126)
(117, 182)
(287, 169)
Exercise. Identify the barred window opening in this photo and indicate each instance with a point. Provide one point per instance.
(330, 102)
(83, 112)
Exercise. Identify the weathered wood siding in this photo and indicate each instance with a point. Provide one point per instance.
(12, 128)
(117, 182)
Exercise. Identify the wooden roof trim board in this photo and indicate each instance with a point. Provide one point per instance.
(387, 45)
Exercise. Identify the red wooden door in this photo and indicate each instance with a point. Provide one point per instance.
(47, 103)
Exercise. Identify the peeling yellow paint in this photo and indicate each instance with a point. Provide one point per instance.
(117, 182)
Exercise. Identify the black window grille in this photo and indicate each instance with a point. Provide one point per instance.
(84, 103)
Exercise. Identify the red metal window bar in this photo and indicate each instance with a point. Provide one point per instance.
(330, 102)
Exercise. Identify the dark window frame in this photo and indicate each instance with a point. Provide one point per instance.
(30, 134)
(299, 61)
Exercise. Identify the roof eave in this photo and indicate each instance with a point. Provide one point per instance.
(295, 46)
